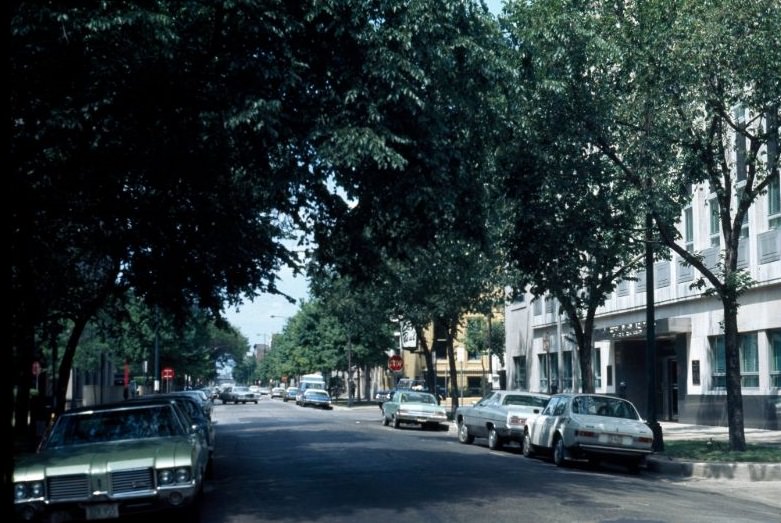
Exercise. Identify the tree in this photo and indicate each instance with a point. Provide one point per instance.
(363, 316)
(675, 94)
(573, 228)
(416, 223)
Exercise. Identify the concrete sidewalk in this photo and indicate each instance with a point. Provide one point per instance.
(672, 431)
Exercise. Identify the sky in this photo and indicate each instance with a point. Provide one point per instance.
(267, 314)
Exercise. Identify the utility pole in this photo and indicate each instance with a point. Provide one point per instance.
(650, 345)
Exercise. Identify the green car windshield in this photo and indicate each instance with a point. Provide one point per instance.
(114, 425)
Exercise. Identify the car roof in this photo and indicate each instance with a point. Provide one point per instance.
(523, 393)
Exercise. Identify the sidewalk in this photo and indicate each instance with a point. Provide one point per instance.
(672, 431)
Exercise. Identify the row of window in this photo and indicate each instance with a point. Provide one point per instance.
(749, 360)
(549, 378)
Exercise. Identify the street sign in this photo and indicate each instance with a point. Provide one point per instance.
(168, 373)
(395, 363)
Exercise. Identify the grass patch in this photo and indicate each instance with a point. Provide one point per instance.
(719, 451)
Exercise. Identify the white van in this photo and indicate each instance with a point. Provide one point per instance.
(309, 381)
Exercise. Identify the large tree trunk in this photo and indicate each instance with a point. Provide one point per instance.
(737, 437)
(451, 357)
(583, 337)
(63, 375)
(431, 375)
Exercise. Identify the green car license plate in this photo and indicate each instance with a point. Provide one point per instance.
(103, 511)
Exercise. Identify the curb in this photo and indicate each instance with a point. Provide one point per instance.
(713, 470)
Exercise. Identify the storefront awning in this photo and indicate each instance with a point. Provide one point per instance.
(665, 327)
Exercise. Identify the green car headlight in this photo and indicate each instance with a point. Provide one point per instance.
(183, 475)
(165, 477)
(27, 490)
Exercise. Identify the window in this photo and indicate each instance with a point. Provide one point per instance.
(549, 304)
(718, 363)
(519, 363)
(553, 361)
(715, 230)
(640, 282)
(543, 361)
(596, 362)
(538, 306)
(775, 358)
(749, 361)
(744, 224)
(566, 377)
(688, 228)
(774, 203)
(686, 271)
(740, 145)
(774, 189)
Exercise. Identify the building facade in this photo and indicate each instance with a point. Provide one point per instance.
(690, 363)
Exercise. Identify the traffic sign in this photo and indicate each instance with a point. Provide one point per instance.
(168, 373)
(395, 363)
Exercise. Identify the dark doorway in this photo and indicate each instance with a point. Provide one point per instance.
(670, 389)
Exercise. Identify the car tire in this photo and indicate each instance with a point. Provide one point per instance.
(396, 422)
(528, 450)
(559, 452)
(256, 402)
(634, 466)
(494, 441)
(463, 434)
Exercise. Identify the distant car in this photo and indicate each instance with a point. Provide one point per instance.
(290, 394)
(589, 426)
(238, 394)
(255, 389)
(413, 407)
(277, 392)
(264, 391)
(316, 398)
(500, 417)
(113, 460)
(382, 396)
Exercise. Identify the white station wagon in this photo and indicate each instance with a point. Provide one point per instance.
(595, 427)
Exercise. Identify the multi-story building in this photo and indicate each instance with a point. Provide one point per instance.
(690, 367)
(475, 371)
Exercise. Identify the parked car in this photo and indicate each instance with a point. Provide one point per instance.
(413, 407)
(193, 409)
(238, 394)
(316, 398)
(277, 392)
(500, 417)
(381, 396)
(290, 394)
(203, 398)
(589, 426)
(113, 460)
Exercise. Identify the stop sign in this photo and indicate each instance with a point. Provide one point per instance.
(395, 363)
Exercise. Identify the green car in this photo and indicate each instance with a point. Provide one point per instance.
(413, 408)
(109, 461)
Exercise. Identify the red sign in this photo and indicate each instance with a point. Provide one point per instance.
(395, 363)
(168, 373)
